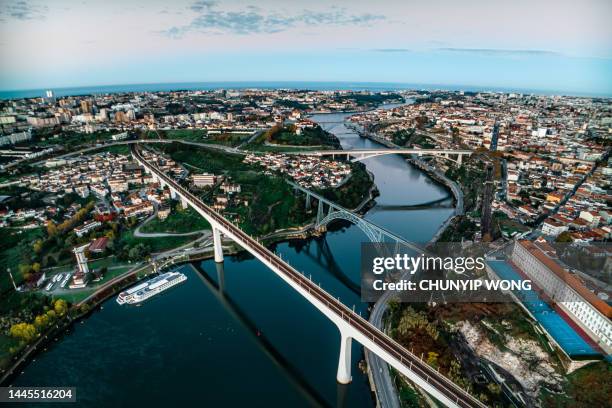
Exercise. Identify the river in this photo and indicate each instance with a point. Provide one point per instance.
(236, 335)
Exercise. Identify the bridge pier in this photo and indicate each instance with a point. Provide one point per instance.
(172, 193)
(320, 212)
(221, 277)
(308, 202)
(344, 361)
(184, 203)
(217, 245)
(459, 159)
(350, 325)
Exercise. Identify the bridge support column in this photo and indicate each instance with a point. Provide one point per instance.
(184, 203)
(308, 203)
(173, 193)
(459, 159)
(320, 212)
(344, 361)
(217, 245)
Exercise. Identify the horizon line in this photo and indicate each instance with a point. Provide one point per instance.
(244, 83)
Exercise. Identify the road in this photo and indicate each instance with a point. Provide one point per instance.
(385, 388)
(381, 377)
(364, 332)
(226, 149)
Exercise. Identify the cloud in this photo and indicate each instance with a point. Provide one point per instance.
(251, 19)
(499, 52)
(22, 10)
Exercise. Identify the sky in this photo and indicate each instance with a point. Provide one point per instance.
(550, 45)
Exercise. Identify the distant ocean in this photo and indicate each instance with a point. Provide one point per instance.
(160, 87)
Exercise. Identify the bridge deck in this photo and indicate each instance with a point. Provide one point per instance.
(442, 384)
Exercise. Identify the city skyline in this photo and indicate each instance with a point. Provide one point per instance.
(548, 46)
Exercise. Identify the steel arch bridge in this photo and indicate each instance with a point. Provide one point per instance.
(373, 234)
(328, 211)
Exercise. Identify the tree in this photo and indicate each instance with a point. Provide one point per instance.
(41, 321)
(36, 267)
(432, 359)
(494, 389)
(51, 229)
(565, 236)
(23, 331)
(138, 252)
(26, 271)
(60, 306)
(37, 246)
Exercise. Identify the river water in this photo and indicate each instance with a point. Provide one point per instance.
(236, 335)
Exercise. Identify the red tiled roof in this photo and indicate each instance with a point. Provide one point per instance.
(99, 244)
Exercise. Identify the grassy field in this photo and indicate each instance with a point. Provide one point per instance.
(228, 139)
(179, 221)
(71, 140)
(280, 148)
(272, 204)
(286, 138)
(12, 247)
(117, 149)
(194, 135)
(75, 296)
(155, 244)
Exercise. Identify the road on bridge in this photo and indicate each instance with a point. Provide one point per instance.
(445, 387)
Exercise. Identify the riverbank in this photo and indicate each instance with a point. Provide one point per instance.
(434, 174)
(270, 307)
(119, 283)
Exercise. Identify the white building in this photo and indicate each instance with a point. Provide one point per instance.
(203, 180)
(84, 229)
(581, 305)
(81, 275)
(553, 228)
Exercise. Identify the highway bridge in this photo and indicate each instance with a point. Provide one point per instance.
(361, 154)
(350, 324)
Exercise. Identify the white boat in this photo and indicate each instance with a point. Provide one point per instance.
(152, 287)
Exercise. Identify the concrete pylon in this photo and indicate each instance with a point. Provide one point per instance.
(217, 245)
(173, 193)
(344, 361)
(308, 202)
(459, 159)
(184, 203)
(320, 212)
(220, 277)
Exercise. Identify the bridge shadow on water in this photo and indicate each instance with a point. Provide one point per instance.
(440, 203)
(295, 377)
(323, 256)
